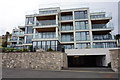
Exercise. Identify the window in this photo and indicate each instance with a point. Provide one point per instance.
(29, 39)
(28, 29)
(82, 36)
(81, 15)
(80, 25)
(30, 20)
(67, 27)
(67, 37)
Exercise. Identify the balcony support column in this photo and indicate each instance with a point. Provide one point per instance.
(56, 19)
(56, 32)
(25, 40)
(34, 21)
(18, 40)
(34, 33)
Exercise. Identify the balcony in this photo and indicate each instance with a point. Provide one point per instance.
(66, 18)
(45, 36)
(105, 45)
(100, 16)
(67, 38)
(22, 28)
(100, 13)
(108, 26)
(103, 37)
(21, 34)
(13, 40)
(67, 29)
(45, 23)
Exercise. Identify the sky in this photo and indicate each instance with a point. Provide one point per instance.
(12, 12)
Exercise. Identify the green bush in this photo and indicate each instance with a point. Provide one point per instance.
(10, 49)
(31, 48)
(25, 50)
(109, 64)
(50, 49)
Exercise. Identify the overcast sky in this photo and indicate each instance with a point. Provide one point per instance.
(12, 12)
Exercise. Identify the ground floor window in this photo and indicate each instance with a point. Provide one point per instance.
(46, 45)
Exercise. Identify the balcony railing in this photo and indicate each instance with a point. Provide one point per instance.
(103, 26)
(67, 28)
(97, 14)
(66, 18)
(104, 46)
(13, 40)
(46, 23)
(42, 36)
(21, 33)
(103, 37)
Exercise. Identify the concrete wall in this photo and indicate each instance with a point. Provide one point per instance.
(35, 60)
(115, 59)
(92, 51)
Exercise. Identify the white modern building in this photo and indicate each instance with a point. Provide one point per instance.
(85, 36)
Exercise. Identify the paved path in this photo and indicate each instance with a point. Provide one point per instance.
(69, 73)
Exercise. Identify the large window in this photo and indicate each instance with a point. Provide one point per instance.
(28, 29)
(82, 36)
(46, 45)
(29, 39)
(104, 45)
(80, 25)
(67, 27)
(81, 15)
(67, 37)
(83, 45)
(30, 20)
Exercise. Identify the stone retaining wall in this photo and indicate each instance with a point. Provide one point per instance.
(35, 60)
(115, 59)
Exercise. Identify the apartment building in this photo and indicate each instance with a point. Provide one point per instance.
(86, 36)
(17, 39)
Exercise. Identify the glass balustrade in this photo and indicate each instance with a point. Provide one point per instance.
(66, 17)
(103, 37)
(103, 26)
(105, 45)
(45, 35)
(45, 23)
(67, 37)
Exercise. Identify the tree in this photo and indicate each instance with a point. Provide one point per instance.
(4, 44)
(117, 36)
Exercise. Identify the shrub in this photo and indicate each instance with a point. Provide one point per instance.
(10, 49)
(31, 48)
(50, 49)
(109, 64)
(25, 50)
